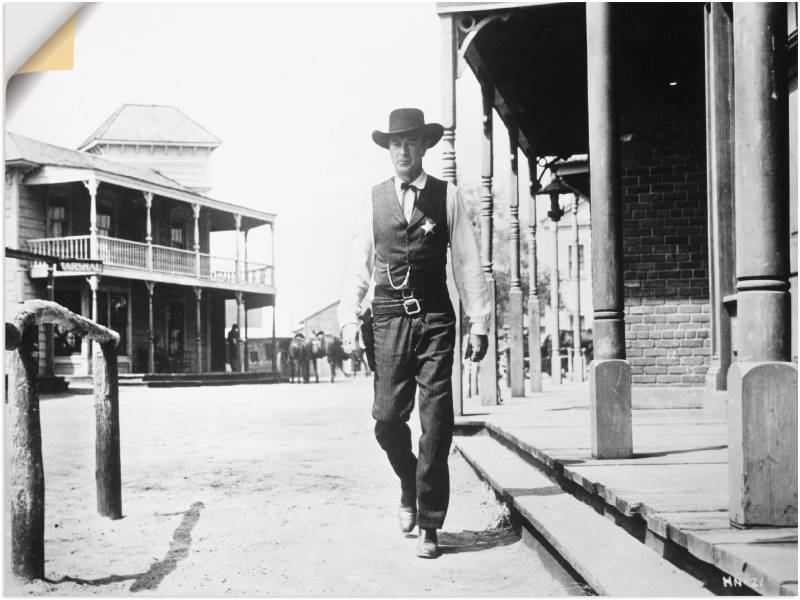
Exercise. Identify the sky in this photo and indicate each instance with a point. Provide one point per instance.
(292, 90)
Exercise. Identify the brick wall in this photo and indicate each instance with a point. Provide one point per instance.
(665, 241)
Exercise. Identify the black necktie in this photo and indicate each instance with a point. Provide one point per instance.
(408, 186)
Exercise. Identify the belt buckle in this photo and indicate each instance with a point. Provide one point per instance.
(411, 306)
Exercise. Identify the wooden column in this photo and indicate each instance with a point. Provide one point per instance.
(555, 213)
(91, 185)
(151, 360)
(148, 201)
(762, 383)
(26, 476)
(108, 475)
(274, 343)
(610, 374)
(577, 367)
(238, 223)
(244, 336)
(48, 328)
(94, 283)
(198, 294)
(11, 231)
(534, 318)
(196, 211)
(720, 168)
(488, 367)
(272, 253)
(448, 58)
(516, 341)
(239, 301)
(244, 270)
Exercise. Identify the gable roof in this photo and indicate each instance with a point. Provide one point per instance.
(20, 149)
(150, 123)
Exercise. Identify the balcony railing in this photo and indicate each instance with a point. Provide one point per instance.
(171, 261)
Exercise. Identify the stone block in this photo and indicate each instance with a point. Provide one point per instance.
(610, 408)
(689, 308)
(762, 443)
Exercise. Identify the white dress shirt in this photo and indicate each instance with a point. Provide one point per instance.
(469, 278)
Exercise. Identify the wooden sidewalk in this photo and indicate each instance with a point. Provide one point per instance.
(677, 481)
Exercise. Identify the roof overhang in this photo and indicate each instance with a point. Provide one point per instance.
(50, 174)
(148, 143)
(447, 8)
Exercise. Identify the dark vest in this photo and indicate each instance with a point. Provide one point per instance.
(402, 245)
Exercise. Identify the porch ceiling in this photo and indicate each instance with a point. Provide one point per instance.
(537, 61)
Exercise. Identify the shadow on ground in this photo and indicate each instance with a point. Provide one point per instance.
(476, 541)
(152, 578)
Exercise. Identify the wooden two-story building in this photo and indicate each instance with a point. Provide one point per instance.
(132, 203)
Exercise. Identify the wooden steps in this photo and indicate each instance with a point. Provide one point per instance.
(610, 560)
(675, 485)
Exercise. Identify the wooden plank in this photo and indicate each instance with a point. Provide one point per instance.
(788, 589)
(575, 530)
(701, 543)
(766, 566)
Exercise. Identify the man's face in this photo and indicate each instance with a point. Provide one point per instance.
(406, 152)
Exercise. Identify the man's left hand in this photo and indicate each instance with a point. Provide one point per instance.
(476, 347)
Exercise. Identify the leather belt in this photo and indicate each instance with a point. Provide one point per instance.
(409, 306)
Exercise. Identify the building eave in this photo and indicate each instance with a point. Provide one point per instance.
(50, 174)
(448, 8)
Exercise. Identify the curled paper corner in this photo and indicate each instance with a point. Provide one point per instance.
(56, 54)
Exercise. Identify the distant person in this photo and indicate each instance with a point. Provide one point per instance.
(233, 347)
(402, 236)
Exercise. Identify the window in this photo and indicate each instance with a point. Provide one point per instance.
(56, 220)
(104, 224)
(176, 234)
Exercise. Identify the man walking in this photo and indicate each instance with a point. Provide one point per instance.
(401, 240)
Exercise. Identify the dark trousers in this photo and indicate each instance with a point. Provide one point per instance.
(410, 353)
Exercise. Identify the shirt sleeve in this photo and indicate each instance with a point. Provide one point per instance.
(358, 267)
(469, 278)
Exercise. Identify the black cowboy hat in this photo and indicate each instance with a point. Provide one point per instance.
(408, 120)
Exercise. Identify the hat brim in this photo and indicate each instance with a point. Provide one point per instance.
(432, 132)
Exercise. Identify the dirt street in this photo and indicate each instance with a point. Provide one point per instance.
(261, 490)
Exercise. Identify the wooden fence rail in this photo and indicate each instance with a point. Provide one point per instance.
(27, 471)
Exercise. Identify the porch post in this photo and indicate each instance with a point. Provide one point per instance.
(762, 383)
(237, 218)
(488, 367)
(577, 367)
(196, 211)
(48, 328)
(244, 271)
(94, 283)
(244, 336)
(610, 373)
(272, 253)
(719, 157)
(198, 294)
(91, 185)
(148, 201)
(516, 342)
(151, 360)
(274, 344)
(555, 213)
(239, 327)
(534, 318)
(449, 174)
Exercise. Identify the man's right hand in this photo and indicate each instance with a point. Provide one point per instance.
(349, 334)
